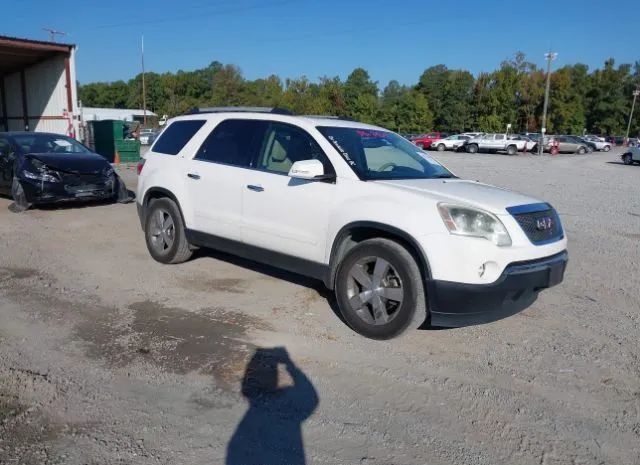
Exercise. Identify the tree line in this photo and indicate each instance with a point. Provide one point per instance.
(443, 99)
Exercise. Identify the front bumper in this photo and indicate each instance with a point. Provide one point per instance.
(457, 304)
(38, 192)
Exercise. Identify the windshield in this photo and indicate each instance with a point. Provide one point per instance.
(48, 143)
(374, 154)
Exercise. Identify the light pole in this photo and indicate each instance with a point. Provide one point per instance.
(550, 57)
(633, 105)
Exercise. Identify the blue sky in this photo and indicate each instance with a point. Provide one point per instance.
(292, 38)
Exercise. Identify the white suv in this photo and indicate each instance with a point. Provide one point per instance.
(398, 237)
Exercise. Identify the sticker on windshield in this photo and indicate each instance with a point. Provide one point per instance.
(62, 143)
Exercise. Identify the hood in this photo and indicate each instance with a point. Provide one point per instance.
(459, 191)
(76, 163)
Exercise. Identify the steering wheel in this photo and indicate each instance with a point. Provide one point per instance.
(387, 166)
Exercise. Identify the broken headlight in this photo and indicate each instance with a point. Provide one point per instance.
(40, 172)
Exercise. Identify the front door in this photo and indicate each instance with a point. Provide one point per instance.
(7, 159)
(282, 214)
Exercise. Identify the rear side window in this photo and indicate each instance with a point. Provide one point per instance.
(233, 142)
(176, 136)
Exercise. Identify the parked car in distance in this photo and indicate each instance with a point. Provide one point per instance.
(40, 168)
(148, 136)
(591, 146)
(494, 143)
(391, 231)
(600, 143)
(567, 144)
(450, 143)
(529, 144)
(424, 141)
(631, 156)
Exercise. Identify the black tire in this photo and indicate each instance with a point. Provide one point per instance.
(512, 150)
(581, 150)
(403, 274)
(626, 159)
(606, 148)
(441, 148)
(20, 202)
(178, 251)
(472, 148)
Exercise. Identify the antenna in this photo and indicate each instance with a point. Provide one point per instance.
(53, 33)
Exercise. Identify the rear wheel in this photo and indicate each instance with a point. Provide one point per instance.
(165, 233)
(581, 150)
(379, 289)
(472, 148)
(512, 150)
(626, 159)
(606, 148)
(441, 147)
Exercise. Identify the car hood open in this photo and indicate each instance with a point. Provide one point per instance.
(77, 163)
(462, 192)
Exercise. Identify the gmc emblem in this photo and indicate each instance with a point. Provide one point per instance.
(544, 224)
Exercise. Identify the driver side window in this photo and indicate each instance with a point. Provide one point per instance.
(283, 145)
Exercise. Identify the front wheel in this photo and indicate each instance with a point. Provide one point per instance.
(626, 159)
(472, 148)
(582, 151)
(379, 289)
(20, 202)
(441, 147)
(606, 148)
(165, 233)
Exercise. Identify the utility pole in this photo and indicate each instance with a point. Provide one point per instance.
(550, 57)
(144, 90)
(53, 33)
(633, 105)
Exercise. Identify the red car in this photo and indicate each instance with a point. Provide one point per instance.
(425, 140)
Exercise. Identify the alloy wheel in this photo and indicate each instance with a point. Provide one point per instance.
(375, 290)
(163, 230)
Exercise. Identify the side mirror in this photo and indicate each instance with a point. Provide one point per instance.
(310, 170)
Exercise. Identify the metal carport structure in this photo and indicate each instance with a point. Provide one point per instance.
(38, 89)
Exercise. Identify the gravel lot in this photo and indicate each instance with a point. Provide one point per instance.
(108, 357)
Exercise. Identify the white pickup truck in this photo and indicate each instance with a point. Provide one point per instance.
(495, 143)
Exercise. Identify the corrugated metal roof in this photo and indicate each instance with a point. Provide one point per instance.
(92, 113)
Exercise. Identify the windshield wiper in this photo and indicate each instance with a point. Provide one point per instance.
(443, 176)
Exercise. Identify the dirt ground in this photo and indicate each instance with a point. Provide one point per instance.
(107, 357)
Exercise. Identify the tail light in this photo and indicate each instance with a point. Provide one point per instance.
(140, 166)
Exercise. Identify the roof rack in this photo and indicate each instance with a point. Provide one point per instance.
(274, 110)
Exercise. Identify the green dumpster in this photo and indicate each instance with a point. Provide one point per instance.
(129, 150)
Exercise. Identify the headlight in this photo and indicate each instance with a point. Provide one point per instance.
(467, 221)
(108, 172)
(41, 172)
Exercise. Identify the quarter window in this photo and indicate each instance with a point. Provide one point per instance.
(176, 136)
(233, 142)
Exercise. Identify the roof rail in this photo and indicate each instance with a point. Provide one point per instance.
(344, 118)
(273, 110)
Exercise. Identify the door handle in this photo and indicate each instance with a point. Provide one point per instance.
(193, 175)
(254, 188)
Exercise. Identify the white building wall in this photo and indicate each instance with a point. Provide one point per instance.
(46, 91)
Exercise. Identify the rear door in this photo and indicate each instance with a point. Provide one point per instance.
(499, 142)
(486, 141)
(282, 214)
(217, 175)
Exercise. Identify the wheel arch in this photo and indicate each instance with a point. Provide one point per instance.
(358, 231)
(158, 193)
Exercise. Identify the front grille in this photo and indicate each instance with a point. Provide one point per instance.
(80, 179)
(541, 226)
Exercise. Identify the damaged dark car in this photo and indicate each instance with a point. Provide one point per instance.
(41, 168)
